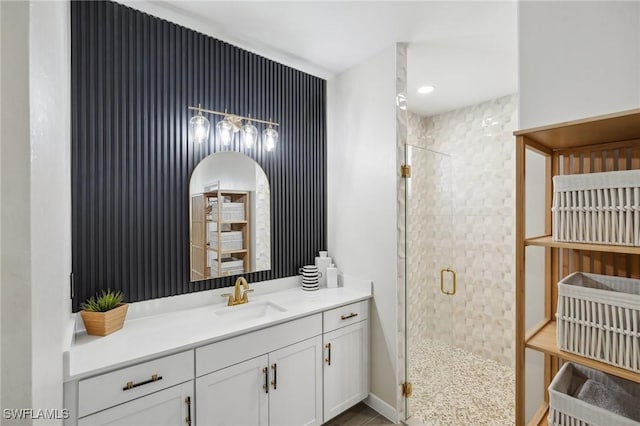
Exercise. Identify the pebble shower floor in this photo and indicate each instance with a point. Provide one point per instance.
(453, 387)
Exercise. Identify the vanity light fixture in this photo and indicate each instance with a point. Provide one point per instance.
(229, 126)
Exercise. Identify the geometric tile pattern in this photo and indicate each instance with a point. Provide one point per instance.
(453, 387)
(460, 214)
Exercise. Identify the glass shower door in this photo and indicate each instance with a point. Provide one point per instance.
(430, 279)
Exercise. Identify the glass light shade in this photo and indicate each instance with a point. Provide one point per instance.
(199, 128)
(269, 138)
(249, 135)
(225, 132)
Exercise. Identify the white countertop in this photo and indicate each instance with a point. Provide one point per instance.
(149, 337)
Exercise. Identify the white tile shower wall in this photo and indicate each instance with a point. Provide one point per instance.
(460, 215)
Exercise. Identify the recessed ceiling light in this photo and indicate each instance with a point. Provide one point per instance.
(425, 89)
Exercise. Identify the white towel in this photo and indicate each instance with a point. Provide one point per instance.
(617, 402)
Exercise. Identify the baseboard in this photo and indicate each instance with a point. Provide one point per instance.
(382, 407)
(412, 422)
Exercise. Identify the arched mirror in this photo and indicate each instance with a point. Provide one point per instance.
(230, 217)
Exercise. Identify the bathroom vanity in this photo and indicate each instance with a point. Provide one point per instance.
(284, 358)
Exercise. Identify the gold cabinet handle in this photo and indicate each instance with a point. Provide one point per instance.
(351, 315)
(130, 385)
(328, 359)
(274, 382)
(453, 273)
(266, 380)
(188, 402)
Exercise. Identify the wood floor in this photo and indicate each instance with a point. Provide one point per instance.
(357, 415)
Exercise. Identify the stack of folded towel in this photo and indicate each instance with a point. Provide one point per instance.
(615, 401)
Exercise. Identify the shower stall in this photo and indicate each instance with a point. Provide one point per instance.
(459, 248)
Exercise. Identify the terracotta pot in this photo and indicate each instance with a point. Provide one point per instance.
(103, 323)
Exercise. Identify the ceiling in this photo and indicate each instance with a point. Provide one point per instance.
(466, 49)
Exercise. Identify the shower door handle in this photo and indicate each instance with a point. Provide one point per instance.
(453, 273)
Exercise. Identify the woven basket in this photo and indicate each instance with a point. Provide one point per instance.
(598, 317)
(566, 410)
(103, 323)
(599, 208)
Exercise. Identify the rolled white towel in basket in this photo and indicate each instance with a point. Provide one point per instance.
(617, 402)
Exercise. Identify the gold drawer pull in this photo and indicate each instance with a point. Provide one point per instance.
(351, 315)
(266, 380)
(131, 385)
(274, 382)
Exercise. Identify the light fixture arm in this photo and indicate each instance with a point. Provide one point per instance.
(226, 114)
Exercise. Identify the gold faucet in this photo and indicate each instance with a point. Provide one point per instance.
(236, 298)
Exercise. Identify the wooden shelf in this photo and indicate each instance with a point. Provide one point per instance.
(228, 251)
(547, 241)
(620, 126)
(214, 193)
(545, 341)
(228, 223)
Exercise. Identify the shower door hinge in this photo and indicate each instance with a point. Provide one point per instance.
(405, 171)
(407, 389)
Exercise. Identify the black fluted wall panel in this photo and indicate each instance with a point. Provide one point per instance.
(132, 78)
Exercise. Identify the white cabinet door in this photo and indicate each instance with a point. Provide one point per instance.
(168, 407)
(234, 396)
(295, 394)
(346, 368)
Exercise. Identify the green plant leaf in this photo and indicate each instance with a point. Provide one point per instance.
(104, 302)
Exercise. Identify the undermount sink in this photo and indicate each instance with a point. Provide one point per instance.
(249, 311)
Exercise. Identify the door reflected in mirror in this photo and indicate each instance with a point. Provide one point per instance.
(230, 217)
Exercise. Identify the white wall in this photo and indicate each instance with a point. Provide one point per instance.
(15, 245)
(50, 104)
(577, 59)
(361, 198)
(36, 213)
(1, 119)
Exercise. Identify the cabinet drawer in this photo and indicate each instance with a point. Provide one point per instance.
(109, 389)
(222, 354)
(345, 315)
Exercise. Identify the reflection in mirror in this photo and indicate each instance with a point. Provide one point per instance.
(230, 217)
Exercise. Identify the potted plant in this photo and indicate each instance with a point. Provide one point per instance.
(104, 313)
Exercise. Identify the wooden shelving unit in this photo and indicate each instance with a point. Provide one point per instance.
(200, 242)
(599, 144)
